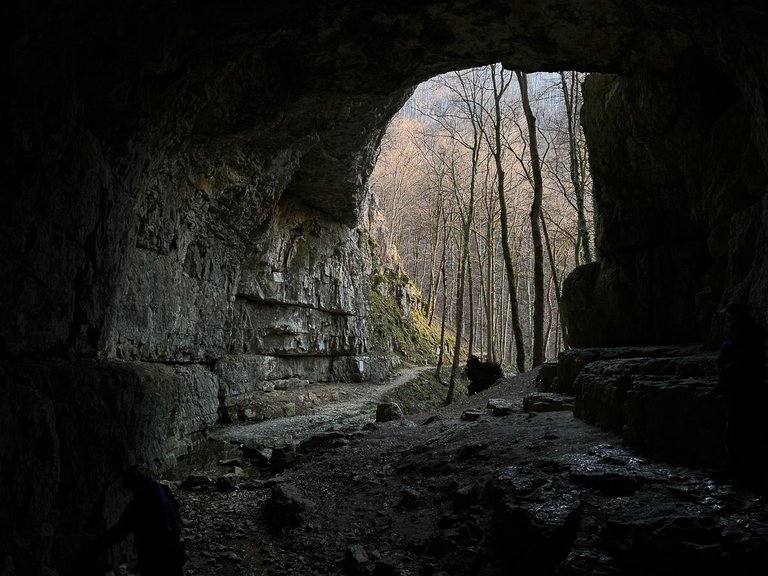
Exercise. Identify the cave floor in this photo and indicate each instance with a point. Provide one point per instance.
(435, 494)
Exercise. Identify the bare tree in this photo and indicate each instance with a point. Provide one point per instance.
(500, 86)
(463, 122)
(485, 185)
(535, 216)
(570, 95)
(444, 315)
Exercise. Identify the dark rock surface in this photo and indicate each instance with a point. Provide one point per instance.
(67, 428)
(663, 401)
(680, 234)
(482, 374)
(388, 411)
(534, 493)
(184, 185)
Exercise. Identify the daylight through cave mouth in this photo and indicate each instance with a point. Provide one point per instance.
(460, 143)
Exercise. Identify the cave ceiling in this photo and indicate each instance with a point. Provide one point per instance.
(322, 78)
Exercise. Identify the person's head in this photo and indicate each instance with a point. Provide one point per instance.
(137, 479)
(736, 315)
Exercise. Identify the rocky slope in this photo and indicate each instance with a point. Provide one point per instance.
(511, 489)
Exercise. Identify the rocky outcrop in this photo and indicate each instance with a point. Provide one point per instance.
(663, 401)
(679, 184)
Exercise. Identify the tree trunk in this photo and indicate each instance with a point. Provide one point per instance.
(434, 275)
(508, 263)
(490, 348)
(467, 92)
(555, 277)
(578, 188)
(485, 294)
(537, 351)
(471, 294)
(460, 284)
(441, 352)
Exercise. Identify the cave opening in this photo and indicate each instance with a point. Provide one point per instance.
(179, 202)
(463, 137)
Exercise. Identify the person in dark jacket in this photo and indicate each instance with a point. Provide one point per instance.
(741, 378)
(153, 518)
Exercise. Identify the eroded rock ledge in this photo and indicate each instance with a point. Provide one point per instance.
(662, 400)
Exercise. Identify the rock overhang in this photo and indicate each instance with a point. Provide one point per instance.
(249, 103)
(155, 151)
(335, 70)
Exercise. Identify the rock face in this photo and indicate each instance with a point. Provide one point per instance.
(663, 401)
(679, 168)
(182, 188)
(74, 424)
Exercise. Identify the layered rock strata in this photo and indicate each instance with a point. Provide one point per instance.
(663, 401)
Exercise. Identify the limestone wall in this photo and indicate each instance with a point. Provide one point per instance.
(680, 170)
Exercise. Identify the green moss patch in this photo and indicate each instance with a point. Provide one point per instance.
(424, 393)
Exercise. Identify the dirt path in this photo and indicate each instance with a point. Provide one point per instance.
(356, 406)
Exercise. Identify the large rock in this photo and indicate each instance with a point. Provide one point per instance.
(77, 427)
(388, 411)
(681, 199)
(678, 421)
(665, 404)
(535, 522)
(688, 359)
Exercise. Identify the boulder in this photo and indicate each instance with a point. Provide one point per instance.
(388, 411)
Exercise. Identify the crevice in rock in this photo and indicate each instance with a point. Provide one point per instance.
(288, 304)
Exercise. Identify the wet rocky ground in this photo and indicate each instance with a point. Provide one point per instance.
(493, 484)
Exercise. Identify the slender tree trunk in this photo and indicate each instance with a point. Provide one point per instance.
(485, 295)
(462, 273)
(445, 314)
(537, 352)
(548, 323)
(460, 284)
(578, 189)
(434, 275)
(471, 294)
(503, 324)
(555, 277)
(467, 93)
(490, 314)
(441, 353)
(507, 252)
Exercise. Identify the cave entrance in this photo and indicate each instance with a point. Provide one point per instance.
(456, 181)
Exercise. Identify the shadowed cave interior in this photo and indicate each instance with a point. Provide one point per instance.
(183, 189)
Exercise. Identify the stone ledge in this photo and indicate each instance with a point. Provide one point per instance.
(570, 363)
(662, 400)
(678, 421)
(253, 386)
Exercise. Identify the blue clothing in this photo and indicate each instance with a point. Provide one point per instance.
(741, 364)
(153, 517)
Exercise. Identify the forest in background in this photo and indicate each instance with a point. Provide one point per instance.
(484, 185)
